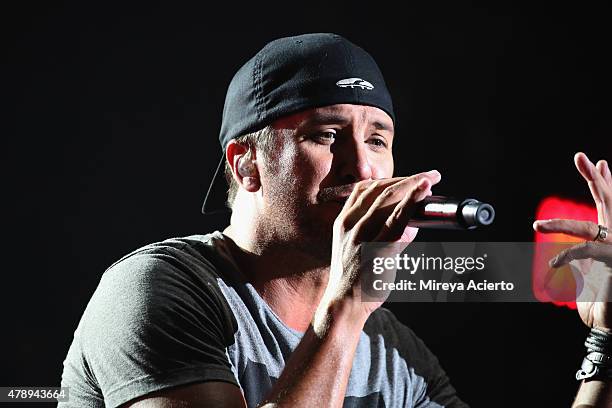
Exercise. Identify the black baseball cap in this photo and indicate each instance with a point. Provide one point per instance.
(289, 75)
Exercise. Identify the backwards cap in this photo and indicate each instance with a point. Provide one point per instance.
(292, 74)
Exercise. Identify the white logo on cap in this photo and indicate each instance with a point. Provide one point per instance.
(353, 82)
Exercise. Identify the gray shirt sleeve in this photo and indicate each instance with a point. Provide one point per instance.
(153, 322)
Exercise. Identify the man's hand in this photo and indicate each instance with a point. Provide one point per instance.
(598, 274)
(595, 263)
(376, 211)
(593, 302)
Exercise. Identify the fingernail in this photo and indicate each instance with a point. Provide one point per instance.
(432, 172)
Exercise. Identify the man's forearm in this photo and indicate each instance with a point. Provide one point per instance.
(594, 394)
(317, 372)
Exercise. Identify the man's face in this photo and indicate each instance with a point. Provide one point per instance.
(318, 157)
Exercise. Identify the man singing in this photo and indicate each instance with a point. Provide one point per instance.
(269, 311)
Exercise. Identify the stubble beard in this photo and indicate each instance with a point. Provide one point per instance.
(291, 214)
(294, 222)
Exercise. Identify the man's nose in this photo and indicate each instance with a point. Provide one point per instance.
(354, 162)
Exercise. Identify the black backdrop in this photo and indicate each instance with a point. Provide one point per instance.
(114, 112)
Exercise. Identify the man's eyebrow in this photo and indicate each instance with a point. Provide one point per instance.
(331, 118)
(325, 119)
(382, 126)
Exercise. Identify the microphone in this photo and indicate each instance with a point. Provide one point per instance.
(439, 212)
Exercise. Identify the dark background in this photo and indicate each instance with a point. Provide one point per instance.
(114, 111)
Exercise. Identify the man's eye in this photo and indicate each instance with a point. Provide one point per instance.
(326, 136)
(378, 142)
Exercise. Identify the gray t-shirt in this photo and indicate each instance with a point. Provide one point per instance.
(179, 312)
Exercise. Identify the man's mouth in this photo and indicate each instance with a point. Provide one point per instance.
(336, 194)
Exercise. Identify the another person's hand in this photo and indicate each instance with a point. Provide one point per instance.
(593, 303)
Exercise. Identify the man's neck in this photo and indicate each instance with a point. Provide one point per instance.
(288, 279)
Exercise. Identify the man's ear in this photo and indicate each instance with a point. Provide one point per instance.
(243, 161)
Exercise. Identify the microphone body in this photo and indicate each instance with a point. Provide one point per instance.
(439, 212)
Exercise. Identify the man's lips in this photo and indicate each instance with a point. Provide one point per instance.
(337, 194)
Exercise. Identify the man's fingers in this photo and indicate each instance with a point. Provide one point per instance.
(585, 167)
(376, 218)
(594, 250)
(381, 184)
(395, 225)
(386, 191)
(604, 170)
(434, 176)
(581, 229)
(601, 189)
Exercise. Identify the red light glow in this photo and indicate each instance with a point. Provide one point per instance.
(554, 207)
